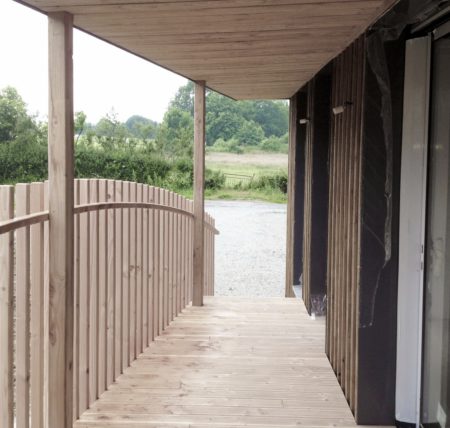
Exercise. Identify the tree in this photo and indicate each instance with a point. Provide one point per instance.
(250, 134)
(224, 125)
(184, 99)
(111, 132)
(141, 127)
(176, 133)
(15, 123)
(272, 116)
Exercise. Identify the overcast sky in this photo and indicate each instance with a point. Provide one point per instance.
(105, 77)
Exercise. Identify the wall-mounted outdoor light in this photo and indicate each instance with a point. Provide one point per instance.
(340, 109)
(304, 121)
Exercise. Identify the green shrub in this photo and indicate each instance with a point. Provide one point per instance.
(214, 180)
(276, 181)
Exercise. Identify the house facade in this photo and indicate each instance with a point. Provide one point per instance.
(370, 237)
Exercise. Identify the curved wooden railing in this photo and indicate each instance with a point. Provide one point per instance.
(133, 247)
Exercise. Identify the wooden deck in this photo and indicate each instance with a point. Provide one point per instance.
(232, 363)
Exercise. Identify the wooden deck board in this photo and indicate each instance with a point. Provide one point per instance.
(232, 363)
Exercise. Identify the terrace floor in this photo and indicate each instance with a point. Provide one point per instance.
(233, 363)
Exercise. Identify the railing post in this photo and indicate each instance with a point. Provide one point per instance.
(199, 184)
(59, 306)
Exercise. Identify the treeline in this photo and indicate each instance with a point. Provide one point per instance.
(234, 126)
(137, 150)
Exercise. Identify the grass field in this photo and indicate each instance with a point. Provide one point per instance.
(251, 165)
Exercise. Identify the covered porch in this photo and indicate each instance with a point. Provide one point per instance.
(206, 361)
(234, 362)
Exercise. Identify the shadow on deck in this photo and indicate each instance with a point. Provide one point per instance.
(232, 363)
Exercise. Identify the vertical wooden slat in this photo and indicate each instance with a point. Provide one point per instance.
(170, 264)
(166, 250)
(59, 320)
(93, 293)
(37, 308)
(176, 247)
(138, 270)
(152, 266)
(157, 265)
(191, 250)
(126, 244)
(111, 285)
(84, 323)
(180, 264)
(22, 309)
(199, 185)
(119, 281)
(357, 214)
(103, 250)
(132, 275)
(184, 238)
(76, 285)
(345, 218)
(214, 259)
(146, 280)
(6, 310)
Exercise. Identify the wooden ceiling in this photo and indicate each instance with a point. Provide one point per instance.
(246, 49)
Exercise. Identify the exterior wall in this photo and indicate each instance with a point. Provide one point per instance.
(344, 243)
(382, 136)
(299, 190)
(316, 129)
(360, 257)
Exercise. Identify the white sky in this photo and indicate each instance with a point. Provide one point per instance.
(105, 77)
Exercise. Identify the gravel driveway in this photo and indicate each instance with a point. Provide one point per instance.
(251, 248)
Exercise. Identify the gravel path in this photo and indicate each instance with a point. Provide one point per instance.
(251, 248)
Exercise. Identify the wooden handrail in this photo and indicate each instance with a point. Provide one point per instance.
(132, 275)
(149, 205)
(26, 220)
(31, 219)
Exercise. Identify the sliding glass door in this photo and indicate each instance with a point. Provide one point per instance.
(436, 340)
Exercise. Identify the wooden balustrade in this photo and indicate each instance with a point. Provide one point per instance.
(133, 273)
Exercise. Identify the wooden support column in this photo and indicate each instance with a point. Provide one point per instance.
(59, 310)
(289, 292)
(199, 188)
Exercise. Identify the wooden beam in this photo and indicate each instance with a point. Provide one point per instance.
(289, 292)
(59, 311)
(199, 187)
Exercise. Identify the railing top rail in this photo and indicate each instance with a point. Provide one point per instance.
(26, 220)
(35, 218)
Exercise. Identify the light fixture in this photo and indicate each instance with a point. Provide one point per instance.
(340, 109)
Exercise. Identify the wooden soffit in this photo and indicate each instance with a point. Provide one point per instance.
(246, 49)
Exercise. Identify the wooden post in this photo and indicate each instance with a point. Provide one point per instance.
(291, 198)
(59, 310)
(199, 187)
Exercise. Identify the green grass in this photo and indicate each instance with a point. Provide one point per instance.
(247, 195)
(268, 195)
(245, 169)
(243, 165)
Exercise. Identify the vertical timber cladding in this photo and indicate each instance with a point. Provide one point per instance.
(299, 189)
(317, 126)
(367, 97)
(345, 162)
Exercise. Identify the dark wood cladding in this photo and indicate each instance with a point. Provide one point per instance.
(344, 216)
(316, 192)
(299, 190)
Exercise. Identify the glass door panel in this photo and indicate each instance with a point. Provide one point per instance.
(436, 363)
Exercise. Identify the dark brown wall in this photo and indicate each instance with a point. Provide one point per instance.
(383, 111)
(316, 192)
(299, 188)
(345, 219)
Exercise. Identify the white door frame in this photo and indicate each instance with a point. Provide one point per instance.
(412, 229)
